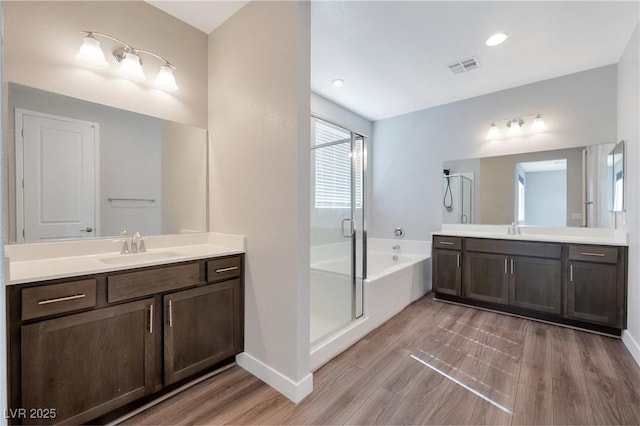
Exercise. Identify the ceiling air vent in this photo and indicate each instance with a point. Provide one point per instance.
(464, 65)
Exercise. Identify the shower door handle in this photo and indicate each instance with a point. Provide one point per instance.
(350, 232)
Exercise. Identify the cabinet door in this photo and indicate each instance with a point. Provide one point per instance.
(203, 326)
(535, 284)
(447, 276)
(87, 364)
(486, 277)
(592, 292)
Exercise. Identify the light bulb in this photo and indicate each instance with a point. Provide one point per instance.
(338, 82)
(131, 67)
(494, 132)
(166, 80)
(538, 124)
(515, 127)
(90, 53)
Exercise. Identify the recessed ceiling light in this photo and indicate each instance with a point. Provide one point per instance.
(496, 39)
(338, 82)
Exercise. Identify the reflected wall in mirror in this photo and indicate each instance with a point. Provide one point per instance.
(615, 161)
(80, 170)
(565, 187)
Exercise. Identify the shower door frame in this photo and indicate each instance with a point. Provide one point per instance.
(354, 234)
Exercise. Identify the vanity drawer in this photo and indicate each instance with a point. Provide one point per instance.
(444, 242)
(224, 268)
(54, 299)
(515, 248)
(152, 281)
(594, 253)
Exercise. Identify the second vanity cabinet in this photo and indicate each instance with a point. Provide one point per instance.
(578, 285)
(82, 348)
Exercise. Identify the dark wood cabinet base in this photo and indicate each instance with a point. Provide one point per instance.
(529, 314)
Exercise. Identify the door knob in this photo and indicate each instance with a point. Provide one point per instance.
(87, 229)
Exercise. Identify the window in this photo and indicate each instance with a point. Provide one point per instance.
(332, 164)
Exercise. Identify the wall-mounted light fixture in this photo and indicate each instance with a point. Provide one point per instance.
(90, 54)
(515, 126)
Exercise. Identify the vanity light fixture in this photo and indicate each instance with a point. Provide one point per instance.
(515, 126)
(130, 67)
(338, 82)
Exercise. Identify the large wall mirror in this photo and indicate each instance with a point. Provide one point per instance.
(578, 187)
(78, 169)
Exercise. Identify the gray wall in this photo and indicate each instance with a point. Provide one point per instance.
(546, 198)
(629, 130)
(408, 150)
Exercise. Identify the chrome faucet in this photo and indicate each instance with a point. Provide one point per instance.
(136, 245)
(514, 229)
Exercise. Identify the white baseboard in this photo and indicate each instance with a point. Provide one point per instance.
(632, 345)
(295, 391)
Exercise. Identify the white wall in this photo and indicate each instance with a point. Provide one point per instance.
(408, 150)
(184, 178)
(4, 383)
(41, 39)
(629, 130)
(259, 106)
(324, 108)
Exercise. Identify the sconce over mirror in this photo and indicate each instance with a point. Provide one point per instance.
(85, 170)
(615, 161)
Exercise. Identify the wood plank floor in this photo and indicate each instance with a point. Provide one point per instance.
(436, 363)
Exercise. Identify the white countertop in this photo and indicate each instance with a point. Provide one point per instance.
(47, 261)
(597, 236)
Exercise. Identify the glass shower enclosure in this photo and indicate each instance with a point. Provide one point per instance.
(338, 234)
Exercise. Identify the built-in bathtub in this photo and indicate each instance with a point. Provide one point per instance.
(395, 278)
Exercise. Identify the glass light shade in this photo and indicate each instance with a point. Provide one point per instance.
(131, 68)
(494, 132)
(538, 124)
(166, 80)
(515, 128)
(90, 53)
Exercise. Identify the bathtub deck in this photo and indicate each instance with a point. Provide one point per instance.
(437, 363)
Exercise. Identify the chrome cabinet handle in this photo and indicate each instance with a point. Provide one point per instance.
(505, 265)
(170, 314)
(87, 229)
(230, 268)
(571, 273)
(446, 243)
(511, 266)
(593, 254)
(61, 299)
(150, 319)
(458, 260)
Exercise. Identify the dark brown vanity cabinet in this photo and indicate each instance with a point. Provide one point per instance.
(579, 285)
(447, 265)
(80, 366)
(79, 349)
(202, 327)
(594, 285)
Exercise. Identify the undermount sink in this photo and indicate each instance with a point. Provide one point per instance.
(133, 258)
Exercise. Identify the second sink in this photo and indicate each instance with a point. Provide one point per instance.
(131, 259)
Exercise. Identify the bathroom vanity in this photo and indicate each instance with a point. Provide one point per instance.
(569, 281)
(82, 346)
